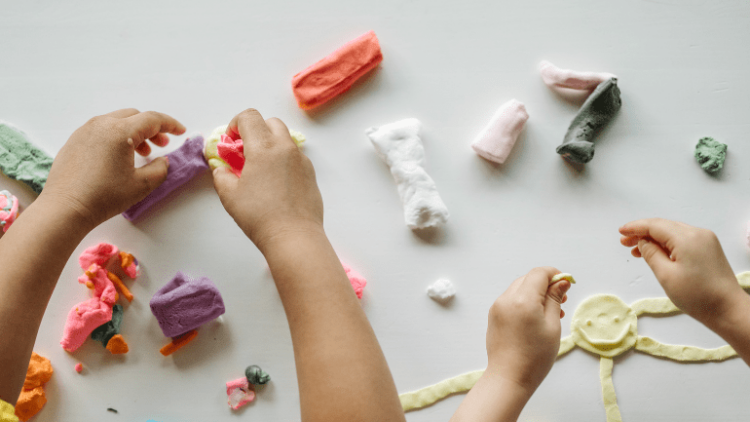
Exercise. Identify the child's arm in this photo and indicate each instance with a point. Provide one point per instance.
(523, 338)
(92, 179)
(694, 272)
(342, 373)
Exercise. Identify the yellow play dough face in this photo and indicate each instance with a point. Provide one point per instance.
(604, 325)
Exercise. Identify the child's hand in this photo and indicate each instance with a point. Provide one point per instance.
(523, 334)
(94, 176)
(277, 194)
(689, 263)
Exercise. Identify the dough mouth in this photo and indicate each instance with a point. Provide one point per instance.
(596, 342)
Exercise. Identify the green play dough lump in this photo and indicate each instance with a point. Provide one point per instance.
(256, 376)
(108, 330)
(21, 160)
(711, 154)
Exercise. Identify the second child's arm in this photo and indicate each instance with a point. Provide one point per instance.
(523, 337)
(342, 373)
(694, 272)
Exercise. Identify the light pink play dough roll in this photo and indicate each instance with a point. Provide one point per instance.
(496, 140)
(573, 79)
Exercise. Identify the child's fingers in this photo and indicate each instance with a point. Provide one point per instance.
(654, 255)
(160, 139)
(555, 298)
(538, 279)
(146, 125)
(153, 173)
(629, 241)
(280, 131)
(658, 229)
(123, 113)
(250, 126)
(225, 183)
(143, 149)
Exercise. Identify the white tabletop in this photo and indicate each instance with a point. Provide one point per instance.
(682, 68)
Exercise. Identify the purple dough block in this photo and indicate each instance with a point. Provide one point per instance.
(184, 164)
(185, 304)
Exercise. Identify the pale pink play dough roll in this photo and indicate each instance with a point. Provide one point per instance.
(573, 79)
(496, 140)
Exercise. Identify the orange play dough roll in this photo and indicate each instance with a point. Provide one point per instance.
(336, 73)
(178, 342)
(120, 286)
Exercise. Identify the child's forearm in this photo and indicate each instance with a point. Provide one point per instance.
(492, 399)
(342, 373)
(32, 255)
(735, 326)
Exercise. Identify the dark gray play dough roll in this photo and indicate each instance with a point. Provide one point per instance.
(597, 111)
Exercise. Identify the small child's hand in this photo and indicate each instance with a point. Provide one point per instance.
(523, 334)
(277, 194)
(94, 173)
(689, 263)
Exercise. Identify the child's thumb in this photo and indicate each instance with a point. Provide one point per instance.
(154, 173)
(225, 182)
(555, 294)
(654, 255)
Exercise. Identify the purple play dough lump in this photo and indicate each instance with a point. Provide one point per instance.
(184, 164)
(185, 304)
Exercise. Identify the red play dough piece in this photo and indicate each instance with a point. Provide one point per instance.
(336, 73)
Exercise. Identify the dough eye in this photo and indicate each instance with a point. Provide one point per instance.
(588, 322)
(617, 319)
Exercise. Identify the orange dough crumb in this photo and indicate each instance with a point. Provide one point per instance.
(117, 345)
(178, 342)
(120, 286)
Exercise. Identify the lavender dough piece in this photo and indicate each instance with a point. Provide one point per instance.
(184, 164)
(185, 304)
(595, 113)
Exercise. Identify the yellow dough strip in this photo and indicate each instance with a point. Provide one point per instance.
(429, 395)
(458, 384)
(683, 353)
(608, 390)
(654, 305)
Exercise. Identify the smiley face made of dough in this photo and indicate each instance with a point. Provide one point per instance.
(604, 325)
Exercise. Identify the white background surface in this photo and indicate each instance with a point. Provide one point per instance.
(683, 69)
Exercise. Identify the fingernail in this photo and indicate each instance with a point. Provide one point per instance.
(166, 160)
(216, 171)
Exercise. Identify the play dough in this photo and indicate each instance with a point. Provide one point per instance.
(441, 291)
(185, 304)
(219, 147)
(600, 107)
(356, 279)
(605, 326)
(184, 164)
(256, 376)
(553, 76)
(496, 140)
(337, 72)
(562, 276)
(399, 146)
(8, 209)
(21, 160)
(710, 154)
(239, 393)
(33, 397)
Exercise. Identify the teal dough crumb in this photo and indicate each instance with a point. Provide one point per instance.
(710, 154)
(256, 376)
